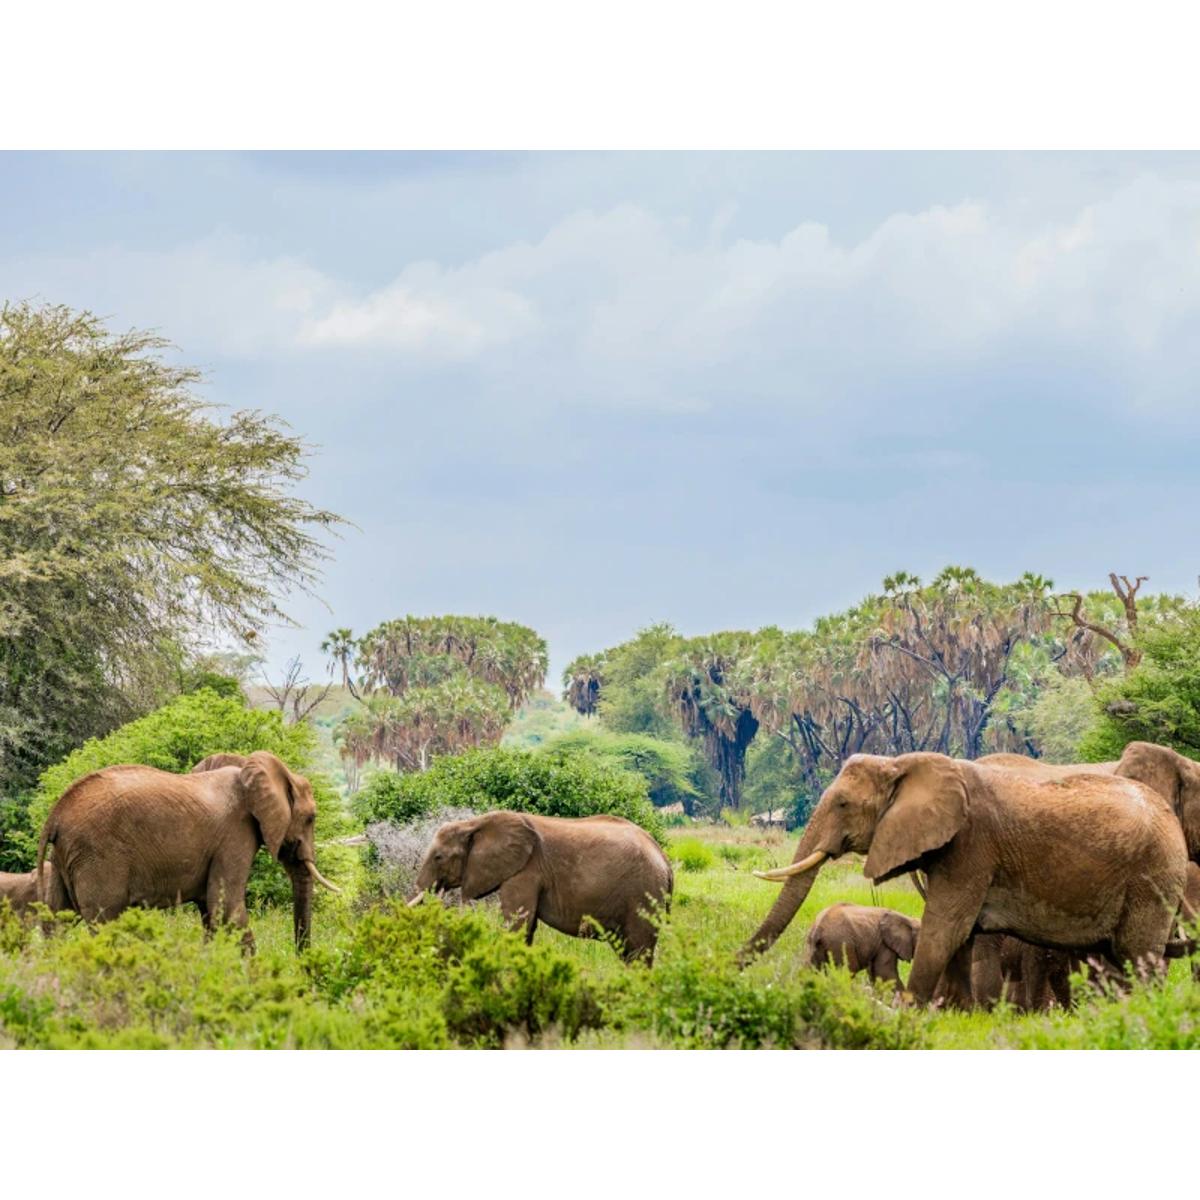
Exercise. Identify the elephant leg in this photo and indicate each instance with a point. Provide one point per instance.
(225, 904)
(639, 937)
(951, 910)
(987, 973)
(519, 903)
(885, 968)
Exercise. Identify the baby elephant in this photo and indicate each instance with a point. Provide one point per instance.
(863, 939)
(21, 890)
(573, 873)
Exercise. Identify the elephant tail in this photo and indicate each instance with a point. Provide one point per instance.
(49, 835)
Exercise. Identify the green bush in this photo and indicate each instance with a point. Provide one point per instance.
(384, 792)
(145, 981)
(520, 780)
(435, 976)
(672, 770)
(691, 854)
(175, 738)
(16, 833)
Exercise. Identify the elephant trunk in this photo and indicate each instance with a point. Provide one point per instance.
(796, 887)
(302, 894)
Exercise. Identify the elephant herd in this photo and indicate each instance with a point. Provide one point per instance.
(1025, 868)
(1028, 868)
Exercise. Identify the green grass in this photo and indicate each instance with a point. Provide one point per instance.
(385, 976)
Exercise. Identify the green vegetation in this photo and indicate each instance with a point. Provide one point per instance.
(1159, 699)
(692, 854)
(521, 780)
(130, 519)
(962, 665)
(672, 773)
(431, 977)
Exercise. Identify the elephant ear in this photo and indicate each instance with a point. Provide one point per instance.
(927, 807)
(899, 934)
(214, 762)
(500, 847)
(1175, 778)
(267, 787)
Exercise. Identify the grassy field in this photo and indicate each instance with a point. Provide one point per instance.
(379, 975)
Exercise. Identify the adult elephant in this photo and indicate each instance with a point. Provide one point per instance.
(1175, 778)
(572, 873)
(135, 835)
(1001, 855)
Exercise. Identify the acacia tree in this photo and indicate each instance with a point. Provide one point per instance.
(132, 520)
(434, 685)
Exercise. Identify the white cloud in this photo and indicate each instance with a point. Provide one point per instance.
(625, 307)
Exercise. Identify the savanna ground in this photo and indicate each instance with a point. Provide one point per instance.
(379, 975)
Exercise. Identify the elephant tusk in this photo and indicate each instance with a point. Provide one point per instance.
(416, 900)
(778, 874)
(312, 870)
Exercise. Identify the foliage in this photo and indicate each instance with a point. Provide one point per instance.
(542, 717)
(434, 685)
(1157, 701)
(670, 769)
(624, 684)
(692, 854)
(1061, 718)
(129, 520)
(486, 779)
(470, 983)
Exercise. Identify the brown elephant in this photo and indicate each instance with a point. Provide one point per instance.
(567, 872)
(1029, 977)
(1175, 777)
(135, 835)
(862, 938)
(1001, 852)
(20, 889)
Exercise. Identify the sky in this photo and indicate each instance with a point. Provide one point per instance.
(592, 391)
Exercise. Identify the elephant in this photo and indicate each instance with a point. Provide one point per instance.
(135, 835)
(1003, 852)
(565, 871)
(1175, 777)
(1029, 977)
(863, 938)
(20, 889)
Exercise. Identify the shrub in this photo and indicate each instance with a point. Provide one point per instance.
(384, 792)
(691, 854)
(671, 769)
(520, 780)
(448, 975)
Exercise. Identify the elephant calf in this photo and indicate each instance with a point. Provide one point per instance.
(863, 939)
(19, 890)
(572, 873)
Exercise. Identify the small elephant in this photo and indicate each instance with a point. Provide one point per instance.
(862, 938)
(135, 835)
(19, 889)
(568, 872)
(1029, 977)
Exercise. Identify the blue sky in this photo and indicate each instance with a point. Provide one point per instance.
(591, 391)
